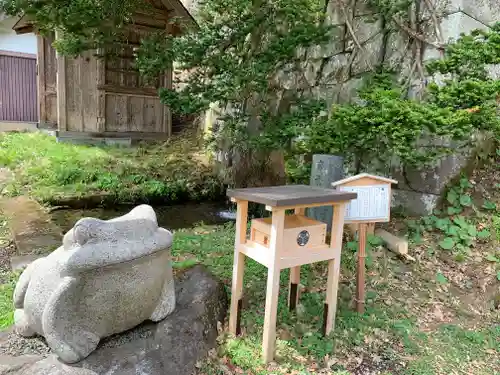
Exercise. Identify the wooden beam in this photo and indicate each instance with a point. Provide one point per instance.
(18, 54)
(392, 242)
(293, 285)
(273, 285)
(132, 135)
(100, 82)
(128, 90)
(334, 269)
(238, 268)
(41, 83)
(167, 113)
(360, 279)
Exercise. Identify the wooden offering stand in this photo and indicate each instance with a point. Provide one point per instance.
(286, 241)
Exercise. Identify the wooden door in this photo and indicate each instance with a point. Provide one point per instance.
(47, 81)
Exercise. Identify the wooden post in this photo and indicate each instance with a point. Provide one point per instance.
(62, 124)
(41, 78)
(293, 287)
(330, 308)
(360, 284)
(101, 93)
(238, 268)
(273, 284)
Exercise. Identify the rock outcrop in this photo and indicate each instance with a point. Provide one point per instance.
(170, 347)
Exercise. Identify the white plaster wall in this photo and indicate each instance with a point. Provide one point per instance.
(10, 41)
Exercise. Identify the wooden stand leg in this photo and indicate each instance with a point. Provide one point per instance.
(273, 284)
(238, 269)
(331, 296)
(360, 282)
(272, 292)
(293, 291)
(333, 269)
(293, 287)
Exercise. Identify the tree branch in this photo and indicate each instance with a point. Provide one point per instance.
(437, 25)
(416, 35)
(353, 35)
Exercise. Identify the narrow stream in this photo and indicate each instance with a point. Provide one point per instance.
(169, 217)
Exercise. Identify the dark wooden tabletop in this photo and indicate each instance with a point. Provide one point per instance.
(290, 195)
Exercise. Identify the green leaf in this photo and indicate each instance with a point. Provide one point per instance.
(483, 234)
(441, 279)
(453, 210)
(369, 261)
(464, 183)
(472, 231)
(498, 275)
(452, 197)
(492, 258)
(460, 221)
(466, 200)
(453, 230)
(375, 240)
(443, 224)
(488, 205)
(352, 245)
(448, 243)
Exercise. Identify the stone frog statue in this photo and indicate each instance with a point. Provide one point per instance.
(107, 277)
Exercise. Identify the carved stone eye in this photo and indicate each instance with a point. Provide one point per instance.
(303, 238)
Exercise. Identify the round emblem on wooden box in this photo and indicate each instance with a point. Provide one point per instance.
(303, 238)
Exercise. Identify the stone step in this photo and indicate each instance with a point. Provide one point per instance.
(30, 225)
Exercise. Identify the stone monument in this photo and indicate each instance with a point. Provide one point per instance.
(325, 170)
(107, 277)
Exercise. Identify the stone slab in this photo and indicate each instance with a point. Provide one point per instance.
(170, 347)
(452, 26)
(32, 230)
(414, 203)
(484, 11)
(15, 126)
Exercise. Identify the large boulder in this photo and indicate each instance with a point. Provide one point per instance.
(170, 347)
(106, 278)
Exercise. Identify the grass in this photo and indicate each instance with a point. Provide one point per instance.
(51, 172)
(7, 278)
(389, 339)
(415, 323)
(7, 284)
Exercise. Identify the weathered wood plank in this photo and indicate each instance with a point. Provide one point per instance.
(61, 93)
(136, 105)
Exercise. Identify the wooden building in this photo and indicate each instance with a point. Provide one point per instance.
(101, 93)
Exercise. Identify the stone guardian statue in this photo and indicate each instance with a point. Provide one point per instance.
(107, 277)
